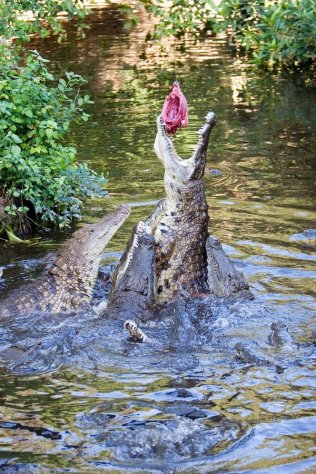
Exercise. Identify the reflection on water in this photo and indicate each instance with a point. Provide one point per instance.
(187, 405)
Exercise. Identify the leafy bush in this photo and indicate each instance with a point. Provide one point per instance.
(40, 181)
(181, 16)
(275, 33)
(286, 35)
(38, 173)
(41, 15)
(240, 15)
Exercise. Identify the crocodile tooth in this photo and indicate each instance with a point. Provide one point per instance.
(203, 129)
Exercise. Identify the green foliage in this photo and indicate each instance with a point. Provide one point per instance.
(241, 15)
(182, 16)
(20, 18)
(39, 177)
(275, 34)
(38, 172)
(286, 35)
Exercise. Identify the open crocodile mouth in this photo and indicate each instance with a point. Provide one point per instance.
(184, 169)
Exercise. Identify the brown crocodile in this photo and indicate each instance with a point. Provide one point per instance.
(188, 262)
(69, 282)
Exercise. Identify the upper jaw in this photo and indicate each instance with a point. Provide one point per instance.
(102, 232)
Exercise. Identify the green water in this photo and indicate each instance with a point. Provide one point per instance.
(260, 187)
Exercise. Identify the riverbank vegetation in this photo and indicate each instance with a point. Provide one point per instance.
(275, 34)
(41, 183)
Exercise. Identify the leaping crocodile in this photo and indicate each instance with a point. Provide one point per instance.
(187, 261)
(69, 282)
(169, 256)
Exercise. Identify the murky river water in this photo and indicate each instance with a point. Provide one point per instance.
(184, 403)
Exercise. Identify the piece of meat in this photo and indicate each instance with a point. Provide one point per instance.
(175, 109)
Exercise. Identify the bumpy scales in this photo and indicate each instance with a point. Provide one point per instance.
(180, 228)
(187, 260)
(69, 283)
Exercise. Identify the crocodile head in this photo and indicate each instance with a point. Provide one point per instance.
(183, 170)
(133, 286)
(78, 260)
(224, 280)
(90, 240)
(69, 282)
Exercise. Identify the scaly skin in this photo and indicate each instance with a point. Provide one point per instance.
(69, 283)
(187, 262)
(180, 228)
(133, 289)
(223, 278)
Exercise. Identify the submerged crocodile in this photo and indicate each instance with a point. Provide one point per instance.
(252, 354)
(132, 294)
(180, 259)
(280, 337)
(69, 282)
(283, 344)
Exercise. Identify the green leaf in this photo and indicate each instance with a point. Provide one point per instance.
(23, 209)
(28, 113)
(15, 138)
(49, 76)
(49, 132)
(14, 239)
(16, 150)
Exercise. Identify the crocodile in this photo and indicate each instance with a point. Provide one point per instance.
(188, 261)
(68, 283)
(135, 333)
(223, 277)
(251, 353)
(280, 337)
(133, 283)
